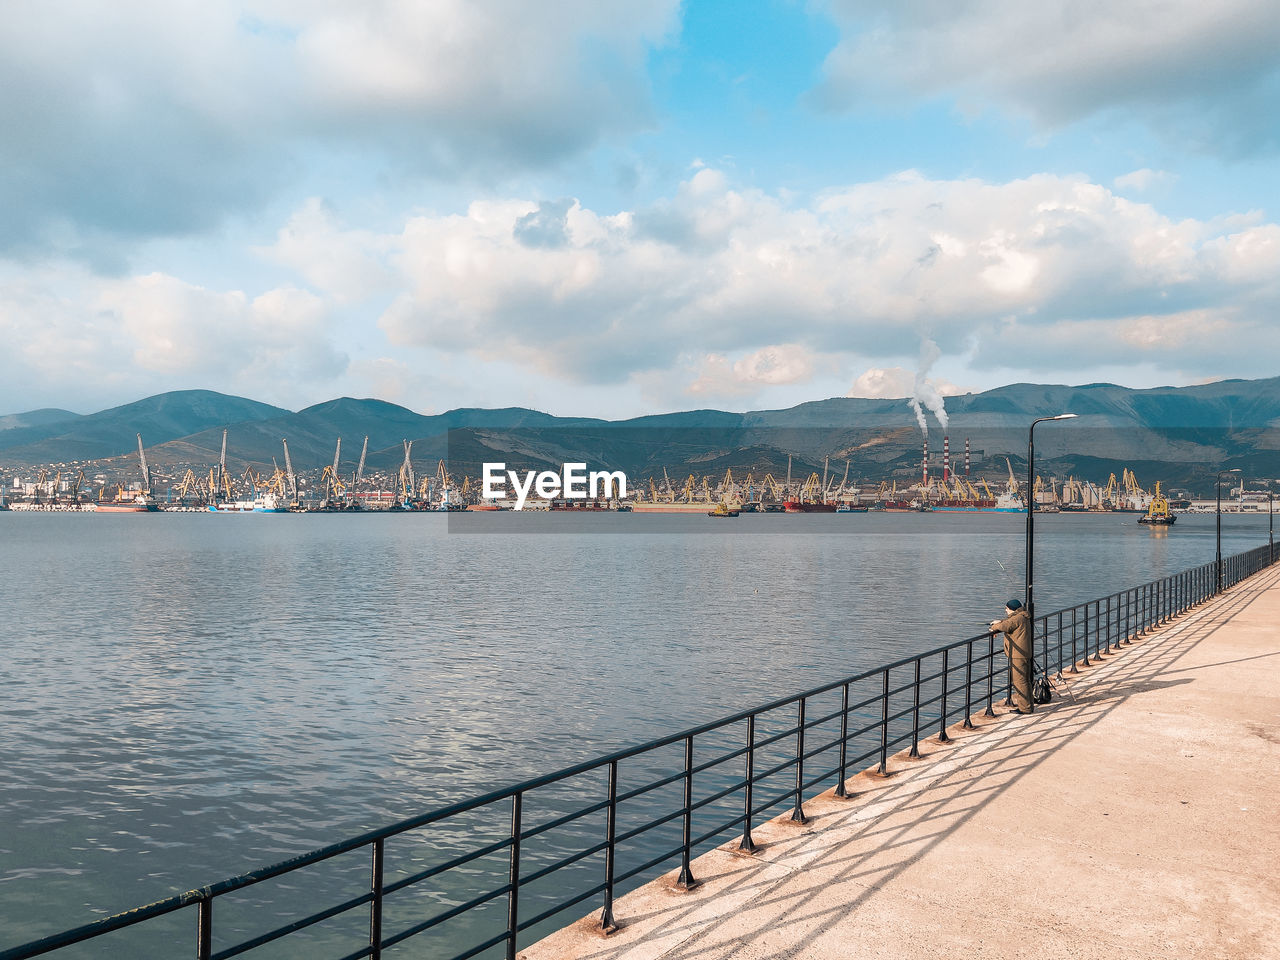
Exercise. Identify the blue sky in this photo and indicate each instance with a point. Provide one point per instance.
(618, 208)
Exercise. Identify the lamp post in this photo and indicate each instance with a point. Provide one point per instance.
(1031, 513)
(1271, 539)
(1218, 563)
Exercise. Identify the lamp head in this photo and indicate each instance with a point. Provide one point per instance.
(1065, 416)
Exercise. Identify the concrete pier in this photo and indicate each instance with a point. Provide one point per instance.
(1137, 816)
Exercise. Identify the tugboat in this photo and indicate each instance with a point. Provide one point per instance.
(723, 510)
(1158, 512)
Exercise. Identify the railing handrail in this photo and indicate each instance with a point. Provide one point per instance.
(1239, 567)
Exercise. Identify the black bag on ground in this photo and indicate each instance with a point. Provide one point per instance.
(1041, 688)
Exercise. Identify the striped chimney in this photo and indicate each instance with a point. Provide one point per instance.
(946, 459)
(966, 456)
(925, 463)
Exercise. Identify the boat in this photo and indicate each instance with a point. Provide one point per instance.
(723, 510)
(623, 508)
(139, 504)
(1158, 514)
(806, 506)
(485, 505)
(669, 506)
(267, 503)
(902, 506)
(848, 508)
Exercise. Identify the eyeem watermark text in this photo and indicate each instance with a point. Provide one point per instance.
(572, 483)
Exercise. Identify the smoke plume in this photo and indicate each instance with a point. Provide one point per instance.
(925, 392)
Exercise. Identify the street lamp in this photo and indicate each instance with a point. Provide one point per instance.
(1218, 564)
(1031, 513)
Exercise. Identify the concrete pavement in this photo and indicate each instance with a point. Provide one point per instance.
(1137, 816)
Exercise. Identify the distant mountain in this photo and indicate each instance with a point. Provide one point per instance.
(312, 434)
(112, 432)
(35, 418)
(1178, 434)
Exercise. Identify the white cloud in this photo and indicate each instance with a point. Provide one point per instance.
(777, 365)
(713, 292)
(893, 383)
(1210, 69)
(145, 117)
(1142, 180)
(72, 334)
(870, 268)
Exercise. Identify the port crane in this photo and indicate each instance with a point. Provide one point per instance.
(406, 480)
(290, 476)
(222, 482)
(334, 488)
(146, 472)
(359, 474)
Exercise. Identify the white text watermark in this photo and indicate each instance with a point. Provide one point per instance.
(572, 483)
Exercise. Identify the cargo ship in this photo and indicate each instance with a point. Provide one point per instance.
(902, 506)
(139, 504)
(804, 506)
(662, 506)
(267, 503)
(1005, 503)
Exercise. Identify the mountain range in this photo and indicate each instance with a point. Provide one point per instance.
(1179, 434)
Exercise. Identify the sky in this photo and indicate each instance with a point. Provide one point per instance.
(602, 208)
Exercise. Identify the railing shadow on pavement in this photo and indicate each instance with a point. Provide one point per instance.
(918, 814)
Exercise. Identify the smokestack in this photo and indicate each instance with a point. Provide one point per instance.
(946, 459)
(925, 463)
(966, 458)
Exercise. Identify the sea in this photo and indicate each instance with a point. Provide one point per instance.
(186, 697)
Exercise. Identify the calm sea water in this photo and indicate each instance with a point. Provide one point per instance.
(186, 697)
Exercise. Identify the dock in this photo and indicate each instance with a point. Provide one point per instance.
(1136, 816)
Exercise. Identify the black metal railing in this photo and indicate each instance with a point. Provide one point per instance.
(697, 788)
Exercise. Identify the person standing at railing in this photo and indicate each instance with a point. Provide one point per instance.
(1016, 627)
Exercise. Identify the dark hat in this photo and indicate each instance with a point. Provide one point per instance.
(1014, 604)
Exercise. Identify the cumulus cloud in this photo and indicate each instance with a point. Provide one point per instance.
(147, 117)
(893, 383)
(713, 291)
(1142, 180)
(777, 365)
(73, 334)
(861, 269)
(1206, 70)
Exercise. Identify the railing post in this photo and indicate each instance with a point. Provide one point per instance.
(1075, 621)
(1128, 609)
(797, 814)
(841, 792)
(884, 727)
(513, 899)
(915, 714)
(686, 879)
(607, 922)
(1060, 643)
(1088, 618)
(942, 712)
(747, 845)
(375, 905)
(991, 676)
(1108, 625)
(968, 685)
(204, 929)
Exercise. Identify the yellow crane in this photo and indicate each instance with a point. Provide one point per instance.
(811, 492)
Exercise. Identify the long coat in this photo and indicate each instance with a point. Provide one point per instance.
(1017, 647)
